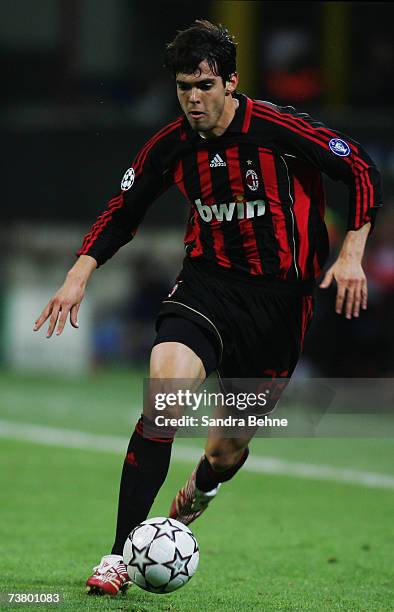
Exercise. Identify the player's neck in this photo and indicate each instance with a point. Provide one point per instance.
(230, 108)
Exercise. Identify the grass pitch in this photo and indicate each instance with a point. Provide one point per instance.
(268, 542)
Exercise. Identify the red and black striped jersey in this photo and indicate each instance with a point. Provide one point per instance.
(256, 194)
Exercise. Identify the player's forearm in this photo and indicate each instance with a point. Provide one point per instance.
(108, 236)
(82, 269)
(354, 244)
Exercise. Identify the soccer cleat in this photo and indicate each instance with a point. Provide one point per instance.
(189, 503)
(109, 577)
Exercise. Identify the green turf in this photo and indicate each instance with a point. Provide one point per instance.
(267, 543)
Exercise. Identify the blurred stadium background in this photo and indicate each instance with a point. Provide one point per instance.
(83, 88)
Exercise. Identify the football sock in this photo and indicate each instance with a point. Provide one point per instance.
(144, 471)
(207, 478)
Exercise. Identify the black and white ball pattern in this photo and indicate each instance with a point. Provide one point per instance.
(128, 179)
(161, 555)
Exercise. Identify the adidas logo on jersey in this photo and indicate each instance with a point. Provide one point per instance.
(217, 161)
(225, 212)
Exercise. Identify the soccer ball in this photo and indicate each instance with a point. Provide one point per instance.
(161, 555)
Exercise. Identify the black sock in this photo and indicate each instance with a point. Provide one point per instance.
(207, 478)
(144, 471)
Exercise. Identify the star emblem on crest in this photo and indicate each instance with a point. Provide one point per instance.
(140, 559)
(178, 565)
(249, 162)
(166, 528)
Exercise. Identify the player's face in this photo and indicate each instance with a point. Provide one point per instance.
(205, 99)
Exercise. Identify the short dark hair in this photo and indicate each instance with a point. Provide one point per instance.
(203, 40)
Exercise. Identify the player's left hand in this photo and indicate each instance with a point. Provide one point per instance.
(352, 289)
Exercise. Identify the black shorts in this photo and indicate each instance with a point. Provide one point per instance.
(256, 326)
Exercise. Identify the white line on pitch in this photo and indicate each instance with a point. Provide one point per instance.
(70, 438)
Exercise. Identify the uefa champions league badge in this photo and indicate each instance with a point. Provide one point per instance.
(128, 179)
(339, 147)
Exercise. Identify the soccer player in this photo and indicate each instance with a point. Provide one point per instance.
(255, 244)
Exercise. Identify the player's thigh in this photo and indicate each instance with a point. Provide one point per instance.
(177, 361)
(182, 349)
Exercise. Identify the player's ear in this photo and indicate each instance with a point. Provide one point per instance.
(232, 83)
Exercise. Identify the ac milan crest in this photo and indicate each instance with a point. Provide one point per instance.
(252, 180)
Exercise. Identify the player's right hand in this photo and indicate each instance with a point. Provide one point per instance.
(65, 302)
